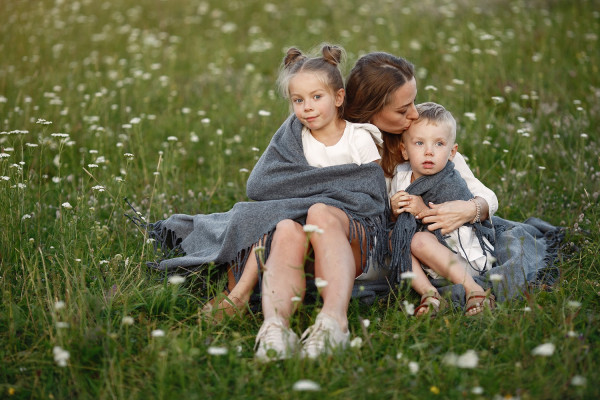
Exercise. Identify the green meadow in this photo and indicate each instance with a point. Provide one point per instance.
(170, 104)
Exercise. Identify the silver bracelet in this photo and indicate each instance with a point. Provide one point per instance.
(477, 211)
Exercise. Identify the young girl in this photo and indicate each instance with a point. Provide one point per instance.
(315, 89)
(429, 146)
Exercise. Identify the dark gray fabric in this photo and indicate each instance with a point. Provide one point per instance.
(446, 185)
(283, 186)
(527, 255)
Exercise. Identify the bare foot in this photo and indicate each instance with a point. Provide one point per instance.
(228, 306)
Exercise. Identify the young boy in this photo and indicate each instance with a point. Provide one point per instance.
(429, 146)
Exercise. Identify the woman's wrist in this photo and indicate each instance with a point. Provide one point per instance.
(477, 217)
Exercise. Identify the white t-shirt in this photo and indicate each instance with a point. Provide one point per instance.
(357, 145)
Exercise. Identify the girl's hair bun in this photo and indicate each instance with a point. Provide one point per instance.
(332, 54)
(293, 55)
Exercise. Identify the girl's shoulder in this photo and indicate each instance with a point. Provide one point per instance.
(364, 128)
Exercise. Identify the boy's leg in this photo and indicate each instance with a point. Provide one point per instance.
(442, 260)
(421, 284)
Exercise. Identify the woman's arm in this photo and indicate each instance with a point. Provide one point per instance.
(453, 214)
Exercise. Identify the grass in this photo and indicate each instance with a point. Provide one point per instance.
(186, 90)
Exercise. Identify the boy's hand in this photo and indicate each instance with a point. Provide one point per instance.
(404, 202)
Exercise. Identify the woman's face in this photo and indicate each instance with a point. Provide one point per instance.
(397, 116)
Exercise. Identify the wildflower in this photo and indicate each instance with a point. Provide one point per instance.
(42, 121)
(320, 283)
(408, 307)
(407, 275)
(4, 155)
(356, 343)
(434, 390)
(498, 99)
(477, 390)
(306, 385)
(572, 334)
(176, 279)
(296, 299)
(60, 135)
(578, 380)
(264, 113)
(62, 325)
(471, 116)
(157, 333)
(398, 356)
(366, 323)
(59, 305)
(544, 350)
(413, 367)
(127, 320)
(21, 185)
(205, 121)
(431, 87)
(458, 81)
(172, 138)
(92, 165)
(67, 205)
(541, 167)
(573, 304)
(5, 178)
(255, 149)
(99, 188)
(217, 351)
(244, 170)
(527, 309)
(584, 135)
(128, 155)
(25, 216)
(61, 356)
(496, 277)
(467, 360)
(308, 228)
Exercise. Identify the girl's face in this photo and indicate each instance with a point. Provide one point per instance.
(400, 112)
(314, 103)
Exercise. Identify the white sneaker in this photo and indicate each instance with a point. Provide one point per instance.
(275, 341)
(324, 336)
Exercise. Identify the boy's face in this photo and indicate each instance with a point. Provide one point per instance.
(427, 147)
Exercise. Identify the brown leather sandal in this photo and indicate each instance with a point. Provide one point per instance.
(477, 301)
(431, 307)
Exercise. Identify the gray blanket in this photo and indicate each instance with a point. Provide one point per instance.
(283, 186)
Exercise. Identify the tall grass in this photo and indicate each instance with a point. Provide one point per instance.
(170, 103)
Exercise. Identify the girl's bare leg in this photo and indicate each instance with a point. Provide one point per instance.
(336, 259)
(284, 275)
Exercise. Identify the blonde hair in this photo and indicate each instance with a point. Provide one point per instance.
(436, 114)
(326, 66)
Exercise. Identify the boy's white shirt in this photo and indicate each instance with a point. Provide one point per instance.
(358, 144)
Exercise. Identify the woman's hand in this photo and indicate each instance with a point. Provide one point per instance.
(452, 214)
(404, 202)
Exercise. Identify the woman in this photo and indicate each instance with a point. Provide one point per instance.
(381, 89)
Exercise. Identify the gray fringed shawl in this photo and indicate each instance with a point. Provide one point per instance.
(283, 186)
(439, 188)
